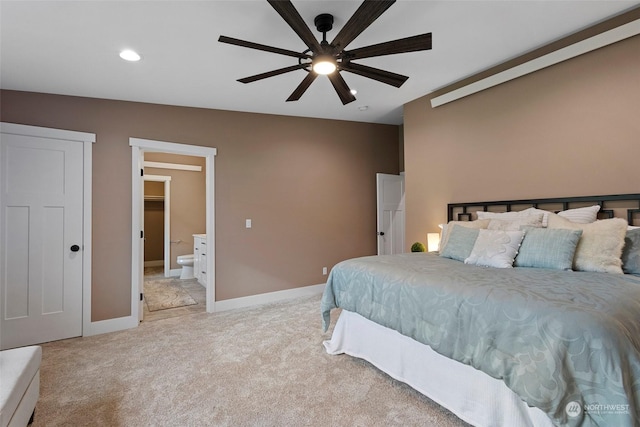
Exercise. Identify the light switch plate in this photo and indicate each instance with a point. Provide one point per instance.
(247, 223)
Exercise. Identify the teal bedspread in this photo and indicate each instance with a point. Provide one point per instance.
(565, 342)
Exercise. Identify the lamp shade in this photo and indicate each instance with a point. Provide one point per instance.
(433, 242)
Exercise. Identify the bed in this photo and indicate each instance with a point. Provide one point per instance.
(537, 342)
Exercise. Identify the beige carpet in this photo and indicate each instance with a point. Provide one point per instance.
(264, 366)
(165, 293)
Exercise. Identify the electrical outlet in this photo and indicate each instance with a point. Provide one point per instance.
(324, 271)
(247, 223)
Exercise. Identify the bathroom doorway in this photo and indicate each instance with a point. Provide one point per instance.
(141, 149)
(174, 211)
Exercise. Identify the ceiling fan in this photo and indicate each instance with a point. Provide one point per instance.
(332, 58)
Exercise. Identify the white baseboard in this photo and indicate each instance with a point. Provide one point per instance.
(121, 323)
(175, 272)
(156, 263)
(231, 304)
(109, 325)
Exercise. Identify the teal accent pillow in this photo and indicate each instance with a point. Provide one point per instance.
(460, 243)
(548, 248)
(631, 252)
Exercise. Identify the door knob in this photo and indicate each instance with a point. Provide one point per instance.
(75, 248)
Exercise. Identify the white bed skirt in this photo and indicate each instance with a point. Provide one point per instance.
(472, 395)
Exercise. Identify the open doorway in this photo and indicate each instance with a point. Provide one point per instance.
(174, 213)
(142, 148)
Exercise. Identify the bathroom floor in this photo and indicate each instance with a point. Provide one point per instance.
(195, 289)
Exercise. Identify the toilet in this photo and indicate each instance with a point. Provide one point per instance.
(186, 261)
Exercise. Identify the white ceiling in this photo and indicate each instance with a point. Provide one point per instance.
(71, 48)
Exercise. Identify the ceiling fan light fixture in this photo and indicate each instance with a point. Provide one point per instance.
(324, 64)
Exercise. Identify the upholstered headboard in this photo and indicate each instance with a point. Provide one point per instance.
(618, 205)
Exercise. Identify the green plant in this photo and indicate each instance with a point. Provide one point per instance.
(418, 247)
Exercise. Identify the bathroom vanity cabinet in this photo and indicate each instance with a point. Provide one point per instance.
(200, 258)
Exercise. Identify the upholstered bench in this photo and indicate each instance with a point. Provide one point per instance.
(19, 385)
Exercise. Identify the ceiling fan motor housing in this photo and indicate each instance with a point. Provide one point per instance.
(324, 22)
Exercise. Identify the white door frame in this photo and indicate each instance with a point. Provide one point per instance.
(87, 139)
(167, 218)
(138, 147)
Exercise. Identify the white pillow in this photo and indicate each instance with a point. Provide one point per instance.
(578, 215)
(495, 248)
(515, 224)
(514, 215)
(600, 246)
(581, 215)
(545, 215)
(504, 215)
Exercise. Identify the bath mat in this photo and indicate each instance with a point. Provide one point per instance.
(165, 293)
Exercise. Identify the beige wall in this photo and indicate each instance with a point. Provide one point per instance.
(401, 147)
(569, 130)
(153, 231)
(153, 222)
(307, 184)
(154, 188)
(187, 201)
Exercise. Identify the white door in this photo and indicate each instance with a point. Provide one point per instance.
(390, 197)
(41, 252)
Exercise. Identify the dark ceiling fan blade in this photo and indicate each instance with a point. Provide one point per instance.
(272, 73)
(368, 12)
(383, 76)
(289, 13)
(341, 88)
(302, 87)
(408, 44)
(258, 46)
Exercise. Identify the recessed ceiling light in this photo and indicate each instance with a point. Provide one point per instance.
(129, 55)
(363, 107)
